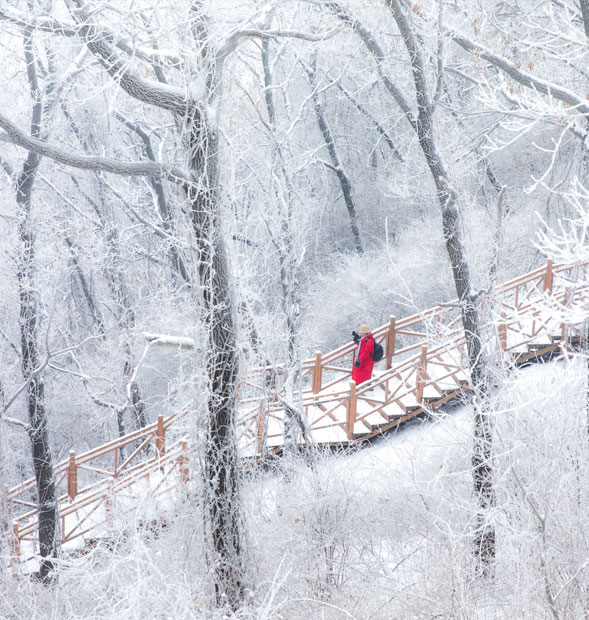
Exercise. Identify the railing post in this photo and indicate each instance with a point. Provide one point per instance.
(563, 341)
(109, 504)
(502, 329)
(421, 374)
(14, 545)
(72, 476)
(7, 511)
(160, 438)
(260, 428)
(317, 373)
(183, 461)
(391, 341)
(548, 277)
(352, 407)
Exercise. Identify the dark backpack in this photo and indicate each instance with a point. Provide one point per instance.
(378, 351)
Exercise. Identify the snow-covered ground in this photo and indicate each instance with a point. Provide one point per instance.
(383, 533)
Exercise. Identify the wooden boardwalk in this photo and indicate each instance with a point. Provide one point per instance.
(425, 364)
(425, 367)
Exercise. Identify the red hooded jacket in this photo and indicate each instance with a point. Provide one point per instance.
(365, 351)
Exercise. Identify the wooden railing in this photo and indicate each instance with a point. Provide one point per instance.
(87, 482)
(516, 314)
(425, 366)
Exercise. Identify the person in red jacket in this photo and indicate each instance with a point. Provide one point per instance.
(364, 363)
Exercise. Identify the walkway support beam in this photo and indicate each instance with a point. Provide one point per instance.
(502, 329)
(391, 342)
(548, 277)
(183, 461)
(317, 373)
(72, 476)
(352, 410)
(160, 438)
(15, 545)
(260, 429)
(421, 374)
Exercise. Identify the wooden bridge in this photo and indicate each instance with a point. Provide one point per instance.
(425, 366)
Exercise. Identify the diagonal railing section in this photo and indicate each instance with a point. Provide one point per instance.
(88, 483)
(425, 362)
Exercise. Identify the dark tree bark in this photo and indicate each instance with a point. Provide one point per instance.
(451, 224)
(221, 469)
(221, 475)
(585, 12)
(29, 336)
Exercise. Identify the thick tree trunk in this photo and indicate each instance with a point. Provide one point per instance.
(35, 397)
(29, 337)
(221, 470)
(451, 224)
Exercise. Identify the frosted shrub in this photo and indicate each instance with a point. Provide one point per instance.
(543, 480)
(368, 288)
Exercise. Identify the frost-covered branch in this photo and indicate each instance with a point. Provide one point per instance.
(51, 25)
(150, 92)
(163, 340)
(14, 135)
(37, 371)
(15, 422)
(372, 45)
(245, 33)
(523, 77)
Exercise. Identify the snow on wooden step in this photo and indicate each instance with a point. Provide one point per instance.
(393, 410)
(372, 419)
(330, 435)
(429, 391)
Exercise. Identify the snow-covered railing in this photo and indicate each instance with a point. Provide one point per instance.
(84, 481)
(428, 378)
(402, 337)
(428, 371)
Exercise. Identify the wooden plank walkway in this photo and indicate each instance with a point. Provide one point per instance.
(425, 367)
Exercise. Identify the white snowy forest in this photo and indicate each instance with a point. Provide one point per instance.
(196, 189)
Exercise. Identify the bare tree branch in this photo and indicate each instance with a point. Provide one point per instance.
(15, 422)
(335, 8)
(41, 368)
(150, 92)
(526, 79)
(53, 26)
(103, 164)
(236, 37)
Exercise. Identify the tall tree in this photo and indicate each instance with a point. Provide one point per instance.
(30, 316)
(195, 112)
(423, 124)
